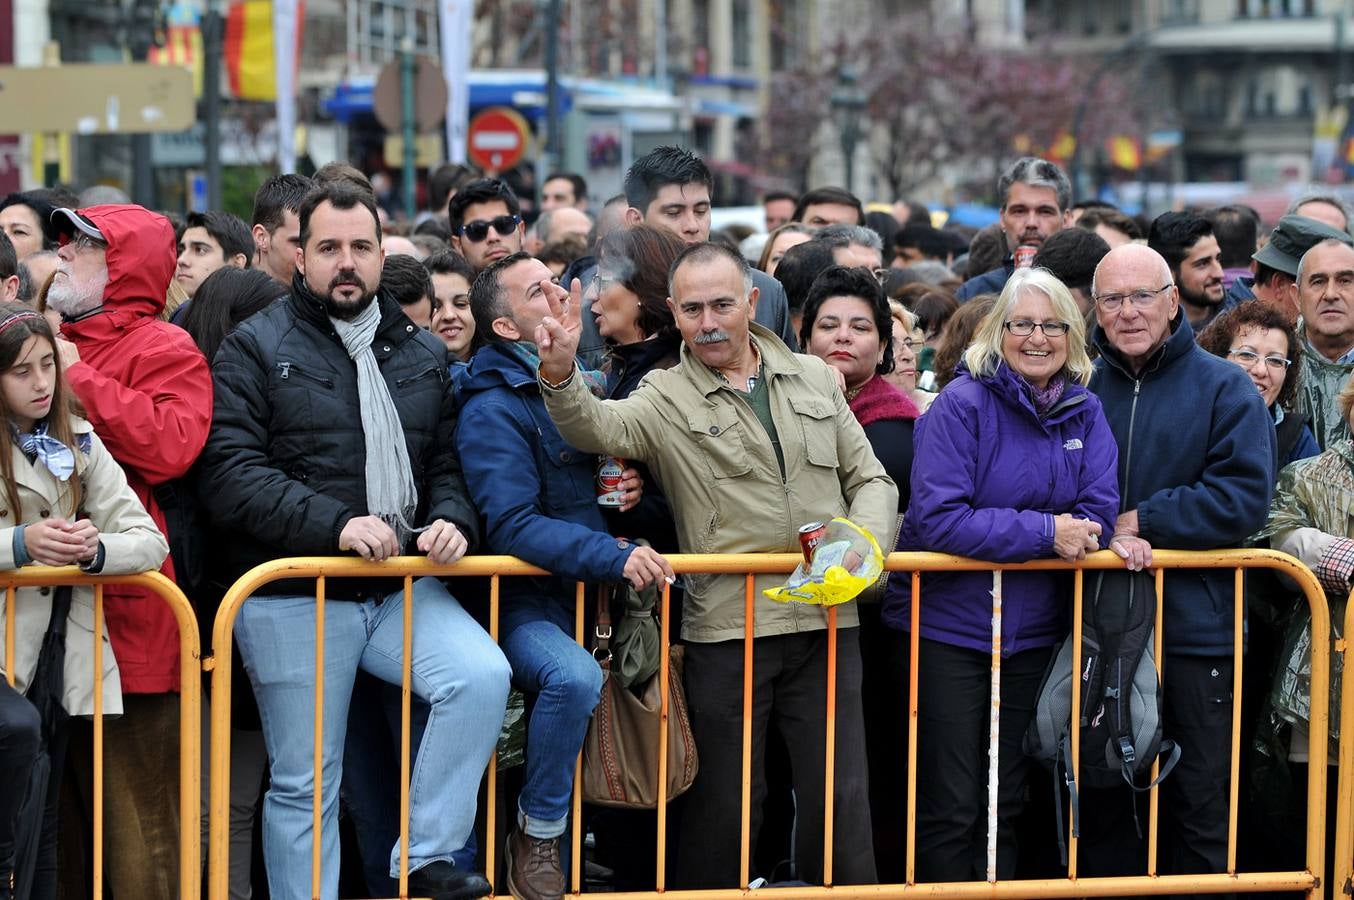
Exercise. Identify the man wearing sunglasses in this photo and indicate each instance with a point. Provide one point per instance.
(486, 222)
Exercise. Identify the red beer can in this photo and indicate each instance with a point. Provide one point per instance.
(609, 491)
(1024, 255)
(810, 536)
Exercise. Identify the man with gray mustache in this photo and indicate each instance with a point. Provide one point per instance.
(748, 442)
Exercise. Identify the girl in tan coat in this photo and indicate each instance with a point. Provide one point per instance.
(63, 501)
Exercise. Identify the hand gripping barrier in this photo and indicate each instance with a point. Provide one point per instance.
(497, 567)
(190, 715)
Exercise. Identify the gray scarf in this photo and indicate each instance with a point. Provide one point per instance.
(391, 494)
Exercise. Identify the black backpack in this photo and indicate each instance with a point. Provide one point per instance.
(1120, 713)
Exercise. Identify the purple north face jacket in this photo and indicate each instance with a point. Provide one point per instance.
(987, 479)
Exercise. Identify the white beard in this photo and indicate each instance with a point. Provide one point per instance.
(72, 298)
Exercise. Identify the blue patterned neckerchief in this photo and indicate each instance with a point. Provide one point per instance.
(56, 456)
(527, 352)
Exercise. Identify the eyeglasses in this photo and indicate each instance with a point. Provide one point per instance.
(85, 242)
(1025, 328)
(1140, 299)
(478, 230)
(909, 344)
(601, 282)
(1249, 358)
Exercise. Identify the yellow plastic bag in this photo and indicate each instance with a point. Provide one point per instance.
(846, 562)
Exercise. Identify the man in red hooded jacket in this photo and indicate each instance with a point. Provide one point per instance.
(147, 390)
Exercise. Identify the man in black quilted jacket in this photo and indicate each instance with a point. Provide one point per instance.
(332, 433)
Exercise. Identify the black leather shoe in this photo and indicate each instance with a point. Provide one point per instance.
(443, 881)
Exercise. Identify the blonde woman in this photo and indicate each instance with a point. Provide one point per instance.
(908, 338)
(1013, 462)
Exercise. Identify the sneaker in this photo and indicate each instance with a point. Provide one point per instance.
(443, 881)
(534, 870)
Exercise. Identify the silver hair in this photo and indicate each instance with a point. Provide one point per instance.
(1036, 172)
(1328, 242)
(1328, 197)
(707, 252)
(983, 355)
(843, 235)
(932, 271)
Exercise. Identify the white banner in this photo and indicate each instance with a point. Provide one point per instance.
(285, 31)
(456, 18)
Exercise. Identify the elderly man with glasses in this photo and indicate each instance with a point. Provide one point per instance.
(1197, 457)
(147, 391)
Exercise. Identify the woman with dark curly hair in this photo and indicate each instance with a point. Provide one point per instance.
(1258, 338)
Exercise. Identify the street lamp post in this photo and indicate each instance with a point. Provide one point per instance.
(1112, 59)
(848, 102)
(141, 21)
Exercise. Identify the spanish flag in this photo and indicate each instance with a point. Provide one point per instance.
(250, 59)
(1063, 147)
(183, 43)
(1125, 152)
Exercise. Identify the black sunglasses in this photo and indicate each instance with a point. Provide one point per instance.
(478, 230)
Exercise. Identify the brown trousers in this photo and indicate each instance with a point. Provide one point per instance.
(141, 803)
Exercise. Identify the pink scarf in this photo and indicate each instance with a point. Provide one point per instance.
(880, 400)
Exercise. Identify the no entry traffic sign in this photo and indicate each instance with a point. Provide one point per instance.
(497, 138)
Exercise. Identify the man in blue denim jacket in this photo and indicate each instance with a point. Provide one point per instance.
(536, 495)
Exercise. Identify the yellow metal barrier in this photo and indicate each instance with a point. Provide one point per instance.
(190, 701)
(495, 567)
(1344, 805)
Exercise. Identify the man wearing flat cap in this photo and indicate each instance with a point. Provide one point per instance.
(146, 389)
(1274, 266)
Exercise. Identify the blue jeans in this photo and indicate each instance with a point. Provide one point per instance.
(549, 663)
(371, 777)
(455, 667)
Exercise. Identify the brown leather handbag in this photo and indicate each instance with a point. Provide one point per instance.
(620, 753)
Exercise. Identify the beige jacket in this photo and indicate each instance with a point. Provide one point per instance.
(718, 470)
(131, 543)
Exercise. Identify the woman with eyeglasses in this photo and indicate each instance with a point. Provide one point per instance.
(1014, 461)
(1257, 337)
(907, 343)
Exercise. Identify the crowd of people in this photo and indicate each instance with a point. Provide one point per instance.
(202, 395)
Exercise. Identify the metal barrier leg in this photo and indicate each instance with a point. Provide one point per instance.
(9, 636)
(317, 802)
(97, 874)
(830, 761)
(913, 637)
(664, 692)
(1344, 822)
(406, 693)
(745, 836)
